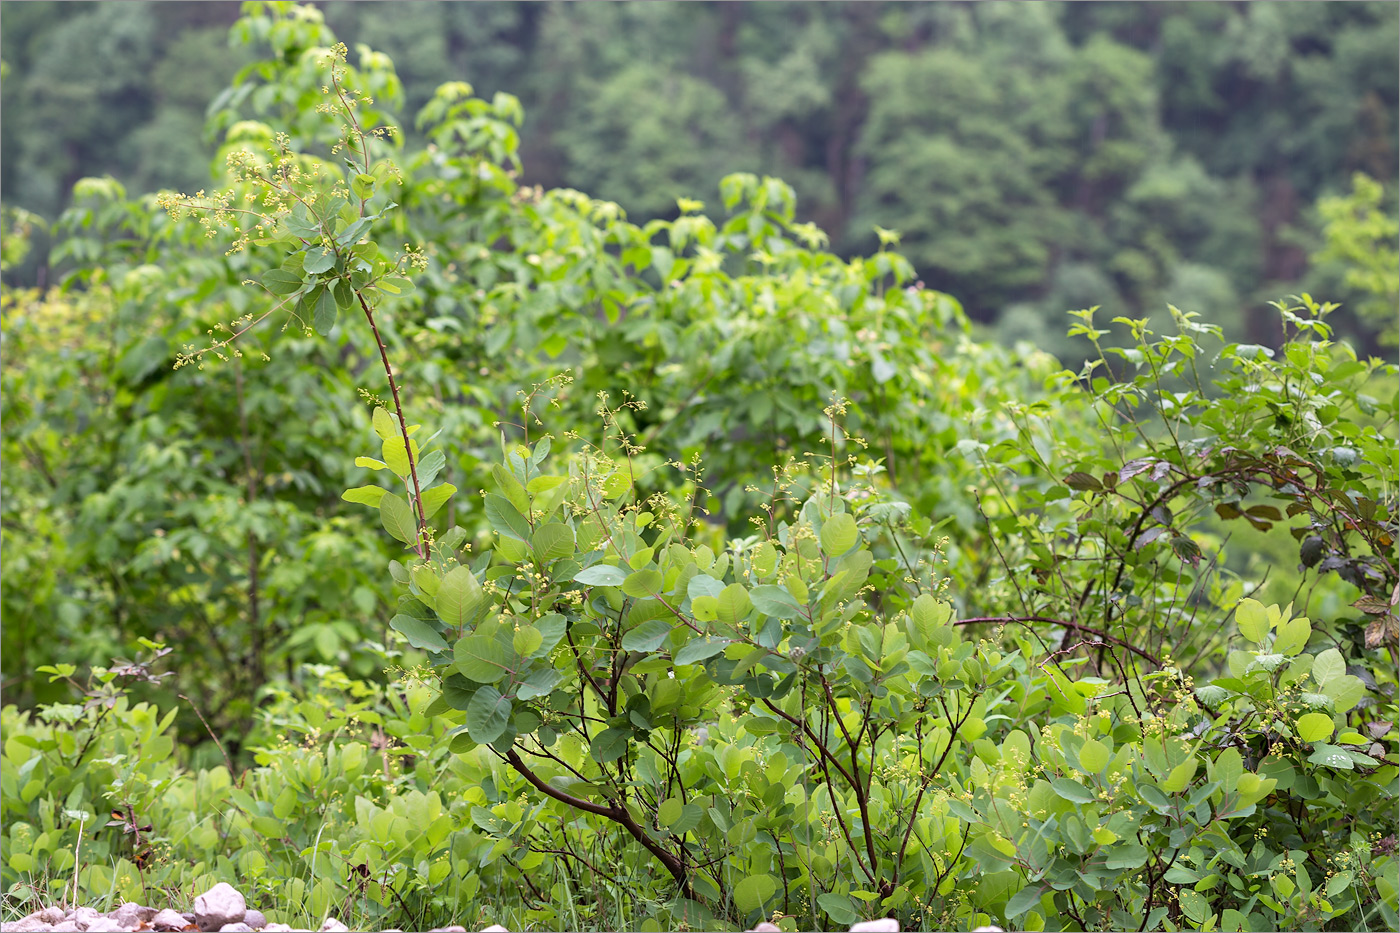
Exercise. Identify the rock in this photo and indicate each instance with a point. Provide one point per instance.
(30, 924)
(255, 919)
(455, 929)
(65, 926)
(130, 915)
(987, 930)
(239, 927)
(108, 925)
(765, 927)
(883, 925)
(167, 920)
(52, 915)
(220, 905)
(276, 928)
(83, 916)
(333, 925)
(495, 928)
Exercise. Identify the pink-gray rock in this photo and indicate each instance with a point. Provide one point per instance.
(239, 927)
(276, 928)
(495, 928)
(453, 929)
(168, 920)
(66, 926)
(765, 927)
(108, 925)
(83, 916)
(30, 924)
(220, 905)
(333, 925)
(255, 919)
(883, 925)
(52, 915)
(131, 915)
(987, 930)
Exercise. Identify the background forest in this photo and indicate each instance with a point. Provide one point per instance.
(1073, 154)
(673, 466)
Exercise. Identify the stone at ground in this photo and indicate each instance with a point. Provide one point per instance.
(987, 930)
(65, 926)
(448, 930)
(495, 928)
(107, 925)
(333, 925)
(277, 928)
(239, 927)
(765, 927)
(168, 920)
(883, 925)
(255, 919)
(83, 916)
(52, 915)
(220, 905)
(131, 915)
(30, 924)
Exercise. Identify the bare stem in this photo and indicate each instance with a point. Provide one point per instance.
(420, 545)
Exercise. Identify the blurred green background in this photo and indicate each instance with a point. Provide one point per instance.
(1036, 157)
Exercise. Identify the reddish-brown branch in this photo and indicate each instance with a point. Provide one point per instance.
(418, 545)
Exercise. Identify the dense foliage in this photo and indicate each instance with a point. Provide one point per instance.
(669, 573)
(1036, 156)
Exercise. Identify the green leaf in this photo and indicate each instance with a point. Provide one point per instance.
(552, 542)
(600, 575)
(1314, 727)
(480, 658)
(397, 518)
(434, 498)
(527, 640)
(609, 745)
(734, 604)
(505, 519)
(751, 893)
(365, 495)
(281, 282)
(1093, 755)
(839, 534)
(344, 294)
(1345, 691)
(669, 811)
(318, 259)
(1253, 620)
(323, 310)
(1328, 665)
(647, 637)
(363, 186)
(459, 597)
(1023, 900)
(1072, 790)
(386, 426)
(487, 715)
(419, 633)
(1193, 905)
(539, 683)
(699, 650)
(776, 602)
(641, 584)
(839, 908)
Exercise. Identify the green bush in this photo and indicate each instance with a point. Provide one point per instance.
(788, 601)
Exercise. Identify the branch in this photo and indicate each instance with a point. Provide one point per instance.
(1023, 620)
